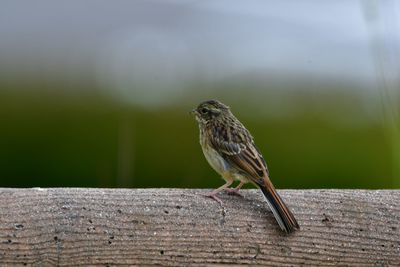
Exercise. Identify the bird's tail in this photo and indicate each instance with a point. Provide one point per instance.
(282, 214)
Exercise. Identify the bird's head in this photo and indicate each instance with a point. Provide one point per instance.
(210, 110)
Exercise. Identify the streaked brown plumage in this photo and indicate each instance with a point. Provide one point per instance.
(229, 148)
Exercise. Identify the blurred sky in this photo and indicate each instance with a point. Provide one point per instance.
(130, 46)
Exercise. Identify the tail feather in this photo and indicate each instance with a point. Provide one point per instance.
(282, 214)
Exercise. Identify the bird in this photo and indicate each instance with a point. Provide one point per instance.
(230, 150)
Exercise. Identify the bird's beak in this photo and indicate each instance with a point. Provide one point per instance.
(193, 112)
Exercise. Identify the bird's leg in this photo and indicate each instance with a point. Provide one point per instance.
(235, 191)
(214, 193)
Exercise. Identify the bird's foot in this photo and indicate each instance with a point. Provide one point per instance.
(213, 196)
(233, 191)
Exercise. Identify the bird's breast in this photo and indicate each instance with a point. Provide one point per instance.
(212, 156)
(215, 160)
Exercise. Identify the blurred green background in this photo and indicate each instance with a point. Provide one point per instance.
(97, 94)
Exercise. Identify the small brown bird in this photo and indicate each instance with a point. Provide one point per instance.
(230, 150)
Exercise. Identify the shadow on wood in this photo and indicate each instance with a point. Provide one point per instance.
(76, 226)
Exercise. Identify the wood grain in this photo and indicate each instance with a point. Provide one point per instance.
(176, 227)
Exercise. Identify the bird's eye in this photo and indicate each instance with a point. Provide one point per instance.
(203, 110)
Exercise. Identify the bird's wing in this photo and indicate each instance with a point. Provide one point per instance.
(239, 150)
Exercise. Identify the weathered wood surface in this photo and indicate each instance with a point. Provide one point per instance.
(109, 227)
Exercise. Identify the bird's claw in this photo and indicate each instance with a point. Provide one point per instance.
(213, 196)
(233, 191)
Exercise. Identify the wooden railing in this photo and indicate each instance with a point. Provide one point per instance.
(179, 227)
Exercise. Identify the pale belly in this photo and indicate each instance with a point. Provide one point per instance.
(221, 166)
(215, 160)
